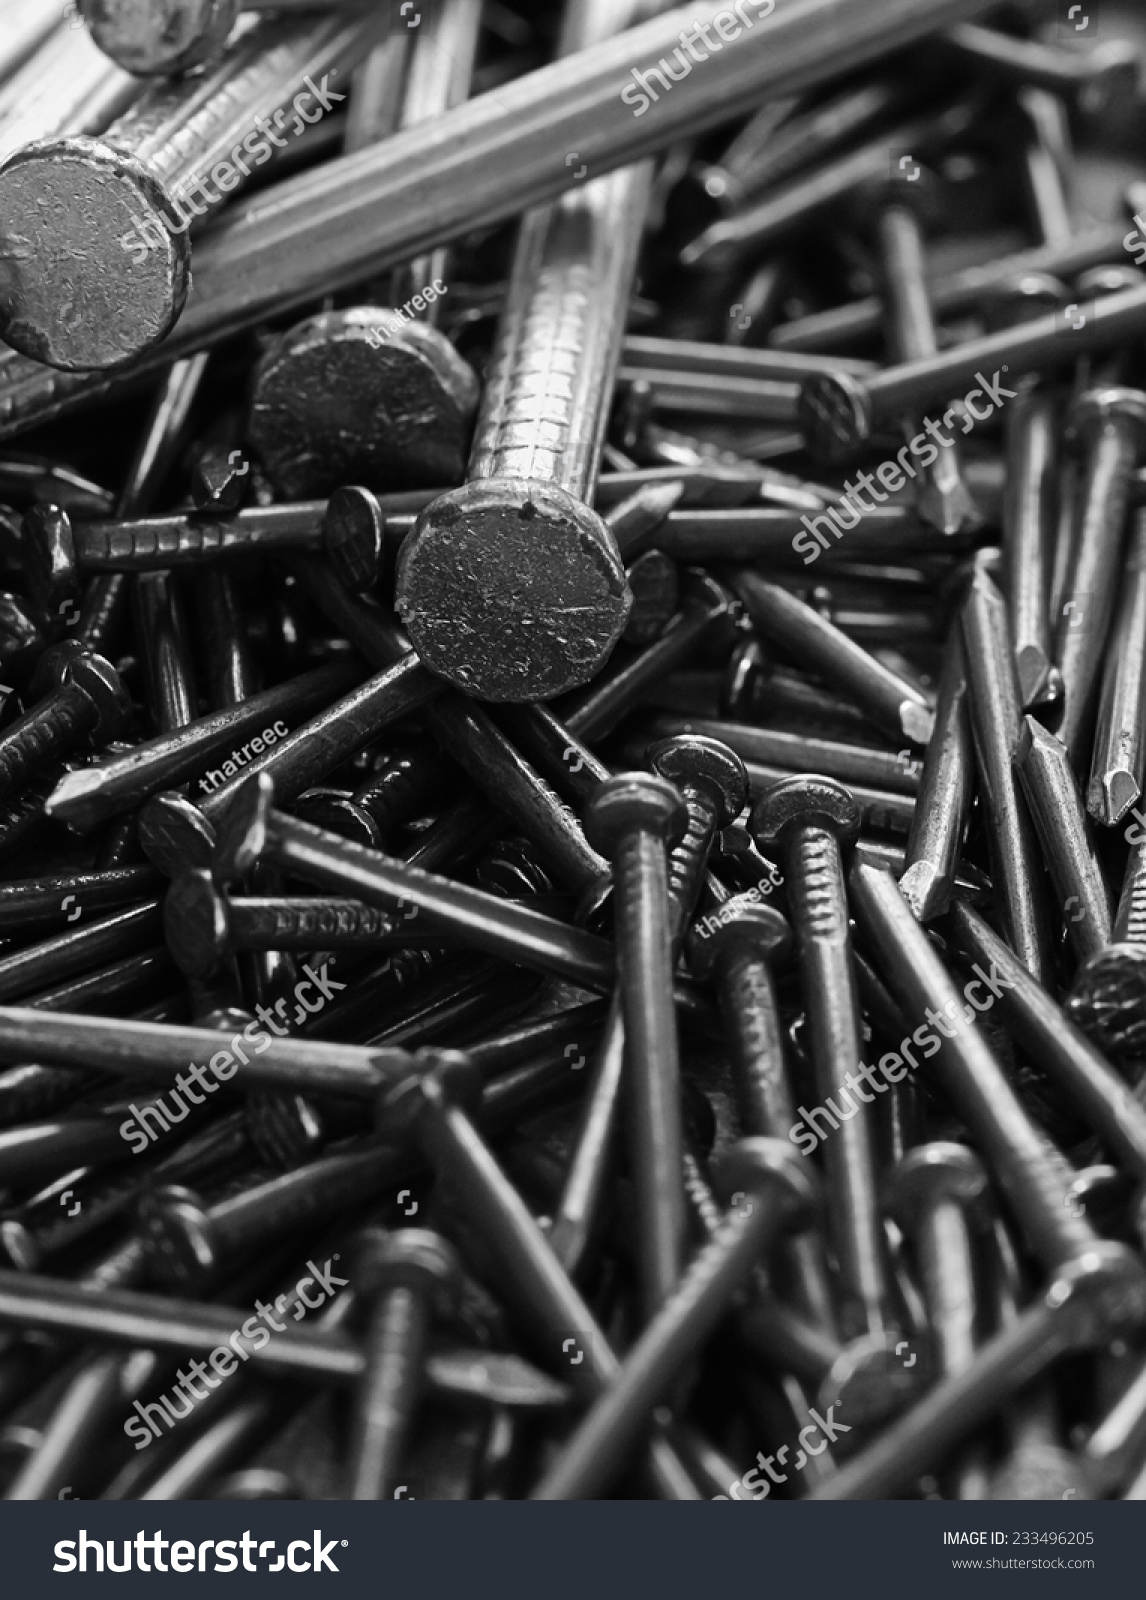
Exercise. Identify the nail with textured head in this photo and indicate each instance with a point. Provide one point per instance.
(1119, 757)
(131, 278)
(943, 797)
(349, 527)
(891, 703)
(526, 506)
(318, 393)
(635, 820)
(405, 1278)
(1109, 426)
(77, 696)
(1016, 870)
(778, 1195)
(1061, 1049)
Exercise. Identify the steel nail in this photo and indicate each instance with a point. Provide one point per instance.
(405, 1278)
(1060, 820)
(780, 1196)
(893, 704)
(994, 707)
(1029, 1171)
(1118, 756)
(943, 797)
(144, 166)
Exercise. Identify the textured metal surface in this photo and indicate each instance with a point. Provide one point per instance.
(133, 188)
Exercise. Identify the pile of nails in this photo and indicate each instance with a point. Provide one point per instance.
(573, 626)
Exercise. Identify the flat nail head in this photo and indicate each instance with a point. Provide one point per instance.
(409, 1258)
(361, 396)
(771, 1170)
(634, 802)
(804, 803)
(163, 37)
(941, 1170)
(835, 416)
(101, 216)
(693, 758)
(353, 533)
(174, 835)
(744, 927)
(512, 589)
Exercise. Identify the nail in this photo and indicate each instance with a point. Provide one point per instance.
(635, 820)
(1028, 1170)
(1029, 530)
(752, 230)
(892, 704)
(93, 794)
(1106, 999)
(230, 677)
(151, 165)
(161, 625)
(1118, 758)
(1094, 77)
(942, 498)
(534, 464)
(850, 763)
(994, 708)
(316, 392)
(713, 784)
(778, 1196)
(944, 795)
(405, 1278)
(252, 827)
(841, 414)
(533, 1280)
(806, 823)
(1055, 804)
(191, 1244)
(349, 527)
(78, 696)
(1110, 428)
(1090, 1297)
(843, 326)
